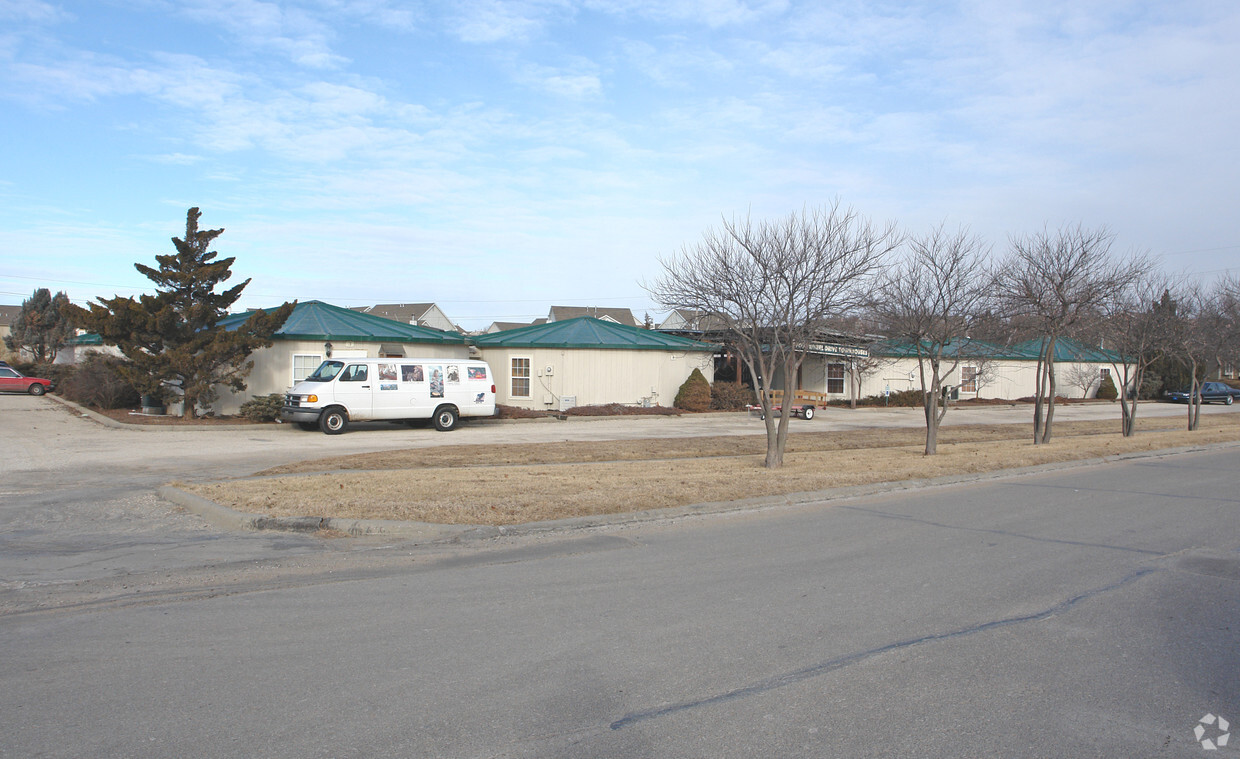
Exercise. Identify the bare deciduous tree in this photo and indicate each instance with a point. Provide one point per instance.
(929, 302)
(1083, 377)
(773, 283)
(1055, 281)
(1134, 331)
(1203, 328)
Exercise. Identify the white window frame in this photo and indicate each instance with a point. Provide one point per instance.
(842, 379)
(513, 376)
(318, 359)
(968, 379)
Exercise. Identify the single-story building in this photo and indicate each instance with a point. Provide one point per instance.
(587, 361)
(316, 331)
(987, 370)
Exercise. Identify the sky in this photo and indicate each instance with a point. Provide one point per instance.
(498, 158)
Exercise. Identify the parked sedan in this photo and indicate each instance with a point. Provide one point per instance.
(13, 381)
(1211, 392)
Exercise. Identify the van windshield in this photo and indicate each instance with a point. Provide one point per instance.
(326, 372)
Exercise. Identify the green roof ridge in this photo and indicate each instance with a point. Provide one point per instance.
(589, 332)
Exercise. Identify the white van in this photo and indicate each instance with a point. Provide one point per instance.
(362, 389)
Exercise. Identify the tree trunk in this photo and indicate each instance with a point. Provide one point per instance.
(1050, 397)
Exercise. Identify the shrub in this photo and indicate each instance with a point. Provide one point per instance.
(1107, 390)
(729, 396)
(264, 408)
(694, 394)
(902, 399)
(97, 382)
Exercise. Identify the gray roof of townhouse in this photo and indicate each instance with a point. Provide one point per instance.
(588, 332)
(564, 313)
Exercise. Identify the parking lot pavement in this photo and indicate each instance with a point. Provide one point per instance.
(78, 504)
(46, 442)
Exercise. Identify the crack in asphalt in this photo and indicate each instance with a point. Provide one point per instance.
(1003, 533)
(1177, 496)
(839, 662)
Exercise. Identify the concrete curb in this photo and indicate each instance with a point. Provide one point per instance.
(108, 421)
(222, 516)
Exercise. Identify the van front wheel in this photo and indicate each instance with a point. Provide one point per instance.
(445, 418)
(334, 421)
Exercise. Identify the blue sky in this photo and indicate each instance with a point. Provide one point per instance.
(498, 158)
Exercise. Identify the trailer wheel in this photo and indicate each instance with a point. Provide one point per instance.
(445, 418)
(334, 420)
(808, 411)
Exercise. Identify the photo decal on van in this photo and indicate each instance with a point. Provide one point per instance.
(387, 372)
(436, 373)
(476, 373)
(411, 373)
(388, 386)
(454, 374)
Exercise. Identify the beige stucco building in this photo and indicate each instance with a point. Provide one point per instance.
(587, 361)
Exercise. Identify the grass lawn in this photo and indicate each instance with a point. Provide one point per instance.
(515, 484)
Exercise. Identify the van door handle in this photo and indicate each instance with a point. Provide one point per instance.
(365, 387)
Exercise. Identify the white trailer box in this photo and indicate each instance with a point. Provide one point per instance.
(362, 389)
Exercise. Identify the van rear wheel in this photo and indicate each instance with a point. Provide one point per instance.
(334, 421)
(445, 418)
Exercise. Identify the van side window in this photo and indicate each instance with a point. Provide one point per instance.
(355, 373)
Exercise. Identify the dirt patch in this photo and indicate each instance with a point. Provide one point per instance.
(514, 484)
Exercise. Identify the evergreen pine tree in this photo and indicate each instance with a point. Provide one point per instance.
(42, 327)
(172, 338)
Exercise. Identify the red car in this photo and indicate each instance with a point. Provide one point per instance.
(12, 381)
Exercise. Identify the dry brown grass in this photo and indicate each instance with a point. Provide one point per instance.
(514, 484)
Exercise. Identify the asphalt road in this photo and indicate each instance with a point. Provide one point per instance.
(1087, 612)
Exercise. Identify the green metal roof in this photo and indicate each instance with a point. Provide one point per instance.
(1065, 351)
(316, 320)
(588, 332)
(1070, 350)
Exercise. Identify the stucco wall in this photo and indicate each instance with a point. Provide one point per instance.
(273, 367)
(1011, 380)
(595, 376)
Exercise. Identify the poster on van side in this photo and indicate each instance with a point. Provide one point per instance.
(476, 372)
(387, 372)
(411, 373)
(436, 373)
(454, 375)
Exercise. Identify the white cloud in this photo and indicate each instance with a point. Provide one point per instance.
(676, 63)
(498, 20)
(709, 13)
(575, 82)
(32, 11)
(175, 159)
(298, 35)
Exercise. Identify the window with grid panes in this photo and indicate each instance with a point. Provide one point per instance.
(968, 379)
(835, 378)
(304, 365)
(520, 378)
